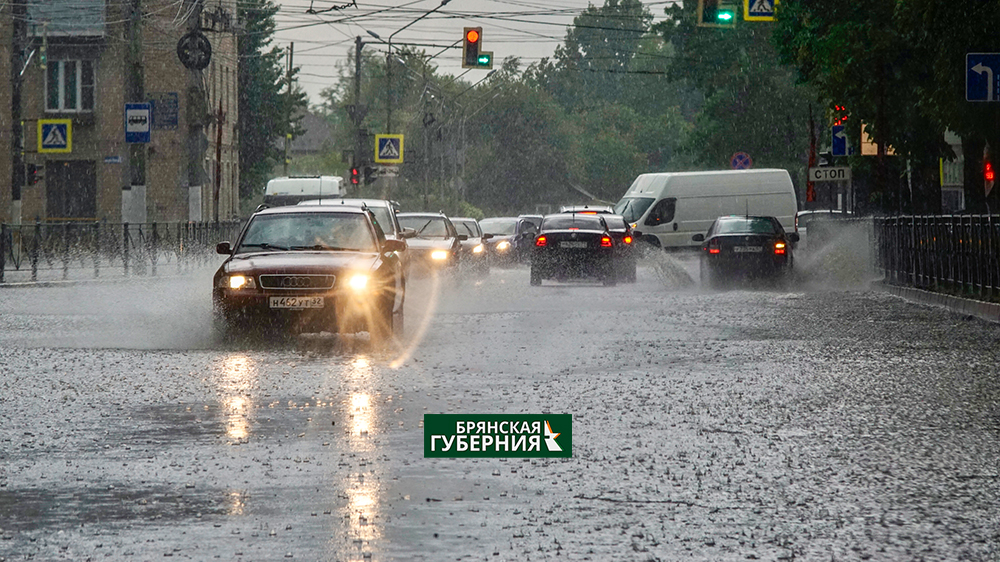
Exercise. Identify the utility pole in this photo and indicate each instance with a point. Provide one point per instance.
(357, 159)
(19, 13)
(135, 90)
(196, 116)
(288, 104)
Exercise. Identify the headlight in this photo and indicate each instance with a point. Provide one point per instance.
(478, 249)
(503, 245)
(239, 282)
(439, 255)
(358, 282)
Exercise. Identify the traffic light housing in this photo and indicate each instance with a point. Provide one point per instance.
(371, 174)
(33, 174)
(473, 55)
(716, 13)
(355, 175)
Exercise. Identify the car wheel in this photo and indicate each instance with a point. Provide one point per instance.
(536, 276)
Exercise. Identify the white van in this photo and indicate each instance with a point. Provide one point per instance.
(291, 190)
(670, 208)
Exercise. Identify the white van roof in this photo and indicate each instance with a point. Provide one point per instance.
(713, 182)
(305, 185)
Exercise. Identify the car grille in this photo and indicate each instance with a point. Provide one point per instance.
(297, 282)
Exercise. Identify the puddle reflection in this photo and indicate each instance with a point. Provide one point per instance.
(235, 378)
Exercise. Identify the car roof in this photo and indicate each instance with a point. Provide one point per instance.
(347, 202)
(295, 209)
(442, 215)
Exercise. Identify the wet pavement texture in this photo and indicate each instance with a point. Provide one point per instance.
(815, 423)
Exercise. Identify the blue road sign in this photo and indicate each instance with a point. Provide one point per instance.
(389, 149)
(55, 135)
(839, 144)
(741, 161)
(138, 122)
(982, 76)
(758, 10)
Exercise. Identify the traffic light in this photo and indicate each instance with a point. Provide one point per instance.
(716, 13)
(355, 175)
(839, 115)
(988, 176)
(33, 174)
(473, 56)
(370, 175)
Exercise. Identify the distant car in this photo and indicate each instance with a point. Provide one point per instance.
(626, 247)
(533, 219)
(573, 245)
(597, 209)
(511, 239)
(310, 268)
(435, 245)
(804, 218)
(738, 247)
(474, 255)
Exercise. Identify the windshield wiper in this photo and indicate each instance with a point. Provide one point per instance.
(263, 245)
(324, 247)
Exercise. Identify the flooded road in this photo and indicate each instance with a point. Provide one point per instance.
(804, 424)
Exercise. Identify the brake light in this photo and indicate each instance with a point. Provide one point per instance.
(627, 240)
(605, 242)
(541, 241)
(588, 212)
(779, 247)
(714, 246)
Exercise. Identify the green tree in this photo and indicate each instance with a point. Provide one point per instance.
(263, 100)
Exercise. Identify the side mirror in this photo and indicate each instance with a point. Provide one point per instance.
(462, 237)
(408, 233)
(487, 236)
(393, 246)
(224, 248)
(794, 237)
(637, 233)
(698, 237)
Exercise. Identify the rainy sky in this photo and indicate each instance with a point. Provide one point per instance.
(529, 29)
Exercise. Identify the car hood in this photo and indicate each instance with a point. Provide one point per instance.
(430, 243)
(499, 238)
(300, 262)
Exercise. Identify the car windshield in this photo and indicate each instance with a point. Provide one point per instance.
(499, 226)
(748, 225)
(308, 231)
(632, 208)
(568, 222)
(426, 227)
(468, 228)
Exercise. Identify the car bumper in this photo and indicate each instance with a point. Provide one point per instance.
(342, 311)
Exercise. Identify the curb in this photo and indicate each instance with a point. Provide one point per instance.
(983, 310)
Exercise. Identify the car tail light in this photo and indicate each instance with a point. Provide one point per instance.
(541, 241)
(714, 246)
(779, 247)
(605, 242)
(588, 212)
(627, 240)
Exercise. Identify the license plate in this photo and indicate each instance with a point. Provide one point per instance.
(296, 302)
(748, 249)
(572, 244)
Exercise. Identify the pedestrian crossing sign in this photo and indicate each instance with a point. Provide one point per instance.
(759, 10)
(55, 135)
(388, 149)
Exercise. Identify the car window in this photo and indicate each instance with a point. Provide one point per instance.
(633, 208)
(566, 222)
(499, 226)
(309, 230)
(426, 227)
(662, 213)
(467, 228)
(383, 218)
(749, 225)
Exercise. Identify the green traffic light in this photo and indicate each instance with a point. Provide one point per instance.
(725, 16)
(484, 60)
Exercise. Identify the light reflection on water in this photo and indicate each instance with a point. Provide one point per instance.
(235, 379)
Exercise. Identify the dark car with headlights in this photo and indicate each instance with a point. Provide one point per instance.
(573, 245)
(625, 247)
(435, 245)
(745, 247)
(307, 269)
(511, 238)
(475, 258)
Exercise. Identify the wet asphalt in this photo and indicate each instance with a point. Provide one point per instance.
(826, 421)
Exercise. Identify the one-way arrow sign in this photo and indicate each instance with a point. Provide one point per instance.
(982, 76)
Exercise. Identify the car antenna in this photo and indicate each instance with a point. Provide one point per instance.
(748, 207)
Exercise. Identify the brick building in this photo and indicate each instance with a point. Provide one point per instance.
(85, 60)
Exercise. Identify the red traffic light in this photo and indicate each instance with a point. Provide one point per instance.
(472, 36)
(355, 176)
(988, 173)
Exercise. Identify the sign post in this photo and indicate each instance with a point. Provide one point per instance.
(835, 174)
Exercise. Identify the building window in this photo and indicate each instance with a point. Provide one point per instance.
(69, 85)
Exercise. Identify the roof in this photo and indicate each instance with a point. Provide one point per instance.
(348, 202)
(402, 215)
(295, 209)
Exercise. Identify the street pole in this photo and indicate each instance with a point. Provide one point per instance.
(197, 108)
(288, 104)
(135, 91)
(357, 159)
(219, 120)
(388, 68)
(19, 13)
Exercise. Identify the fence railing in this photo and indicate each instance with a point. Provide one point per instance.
(80, 250)
(950, 253)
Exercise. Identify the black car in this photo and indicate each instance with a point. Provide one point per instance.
(310, 268)
(737, 247)
(474, 255)
(625, 247)
(511, 240)
(573, 245)
(436, 244)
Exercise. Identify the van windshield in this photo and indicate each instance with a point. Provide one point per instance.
(632, 208)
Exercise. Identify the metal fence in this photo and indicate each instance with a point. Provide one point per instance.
(90, 250)
(950, 253)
